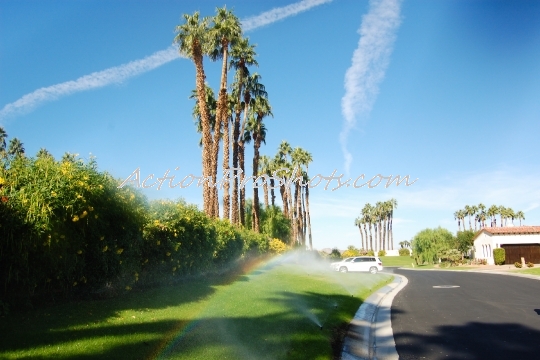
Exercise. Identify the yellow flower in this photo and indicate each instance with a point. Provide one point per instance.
(101, 186)
(128, 288)
(53, 194)
(105, 248)
(168, 253)
(101, 238)
(96, 216)
(75, 283)
(132, 197)
(2, 181)
(120, 262)
(174, 269)
(75, 218)
(79, 252)
(90, 208)
(158, 242)
(119, 251)
(79, 196)
(83, 215)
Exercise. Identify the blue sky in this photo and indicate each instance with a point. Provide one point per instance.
(444, 91)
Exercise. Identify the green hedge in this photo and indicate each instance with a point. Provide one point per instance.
(404, 252)
(499, 256)
(66, 228)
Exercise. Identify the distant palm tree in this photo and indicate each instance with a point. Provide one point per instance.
(3, 137)
(474, 210)
(520, 216)
(15, 148)
(492, 212)
(482, 210)
(358, 222)
(393, 204)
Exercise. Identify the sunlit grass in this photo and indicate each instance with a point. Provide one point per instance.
(531, 271)
(273, 312)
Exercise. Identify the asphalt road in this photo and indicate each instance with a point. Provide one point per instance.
(488, 316)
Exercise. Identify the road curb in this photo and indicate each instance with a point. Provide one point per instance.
(370, 335)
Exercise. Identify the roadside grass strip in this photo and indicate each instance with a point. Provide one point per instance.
(273, 311)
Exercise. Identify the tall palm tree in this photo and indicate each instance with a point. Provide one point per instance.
(226, 157)
(193, 41)
(242, 55)
(261, 108)
(226, 31)
(469, 213)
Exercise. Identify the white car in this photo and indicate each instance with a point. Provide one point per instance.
(372, 264)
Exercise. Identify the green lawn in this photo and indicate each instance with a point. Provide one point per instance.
(530, 271)
(270, 312)
(401, 261)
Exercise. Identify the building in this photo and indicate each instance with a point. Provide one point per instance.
(517, 241)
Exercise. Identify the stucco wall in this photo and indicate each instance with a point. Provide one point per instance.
(485, 243)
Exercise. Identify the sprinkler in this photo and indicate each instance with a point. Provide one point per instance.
(320, 327)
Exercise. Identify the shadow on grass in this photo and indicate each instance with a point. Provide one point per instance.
(124, 327)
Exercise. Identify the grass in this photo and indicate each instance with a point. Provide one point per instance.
(407, 261)
(401, 261)
(530, 271)
(272, 312)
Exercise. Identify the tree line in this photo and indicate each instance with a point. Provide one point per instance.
(480, 214)
(234, 119)
(378, 221)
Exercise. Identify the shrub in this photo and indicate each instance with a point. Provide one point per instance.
(404, 252)
(517, 264)
(530, 264)
(382, 253)
(277, 246)
(370, 253)
(335, 254)
(499, 255)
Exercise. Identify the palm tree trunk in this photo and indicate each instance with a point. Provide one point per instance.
(308, 218)
(226, 146)
(235, 173)
(205, 124)
(256, 145)
(242, 205)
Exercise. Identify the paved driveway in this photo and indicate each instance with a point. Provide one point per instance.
(488, 316)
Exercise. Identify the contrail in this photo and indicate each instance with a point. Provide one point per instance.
(276, 14)
(369, 63)
(123, 72)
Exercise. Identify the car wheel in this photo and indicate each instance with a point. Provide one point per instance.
(373, 270)
(343, 269)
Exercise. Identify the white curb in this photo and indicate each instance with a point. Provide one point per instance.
(370, 335)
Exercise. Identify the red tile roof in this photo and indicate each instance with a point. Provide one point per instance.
(512, 230)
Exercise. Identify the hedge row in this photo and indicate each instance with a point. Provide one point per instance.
(65, 227)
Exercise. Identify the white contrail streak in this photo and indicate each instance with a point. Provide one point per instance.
(276, 14)
(123, 72)
(369, 63)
